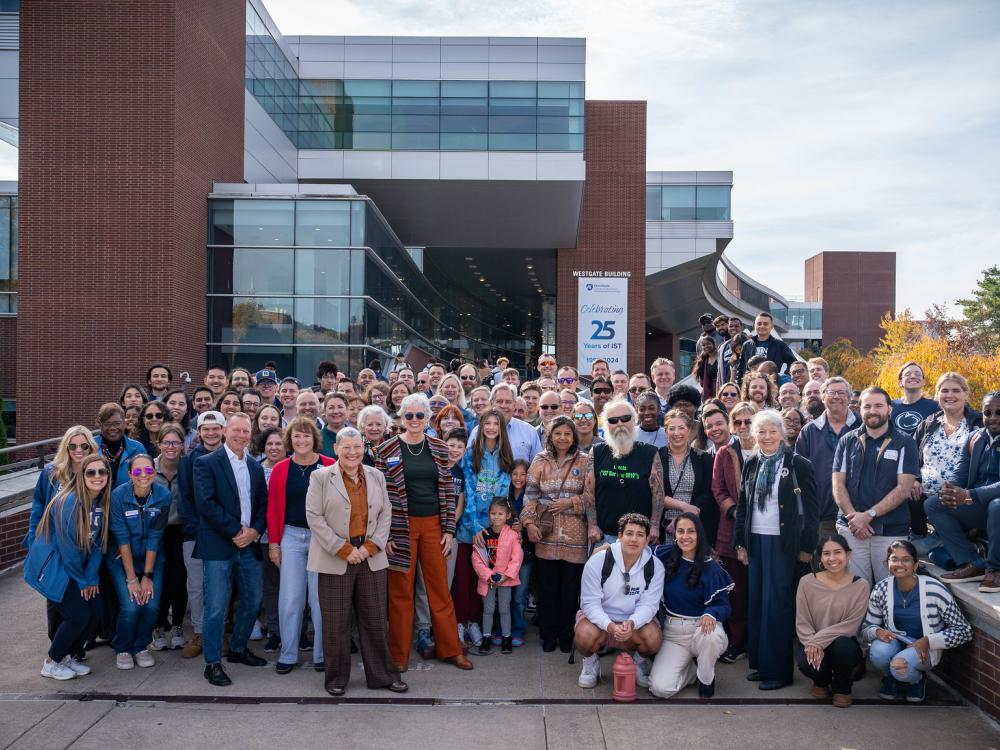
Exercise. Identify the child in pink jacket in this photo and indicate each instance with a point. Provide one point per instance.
(497, 562)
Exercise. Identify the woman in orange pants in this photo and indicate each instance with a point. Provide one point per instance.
(422, 494)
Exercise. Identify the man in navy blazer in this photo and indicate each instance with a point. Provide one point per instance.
(972, 501)
(231, 502)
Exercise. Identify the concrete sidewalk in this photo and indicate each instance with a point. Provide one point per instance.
(525, 700)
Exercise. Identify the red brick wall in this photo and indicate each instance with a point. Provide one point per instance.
(974, 670)
(12, 531)
(612, 222)
(8, 357)
(858, 289)
(129, 111)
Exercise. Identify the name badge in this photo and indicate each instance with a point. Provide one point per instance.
(891, 455)
(393, 461)
(131, 514)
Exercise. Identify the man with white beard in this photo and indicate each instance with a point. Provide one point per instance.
(623, 476)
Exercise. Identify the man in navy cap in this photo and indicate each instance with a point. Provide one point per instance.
(267, 384)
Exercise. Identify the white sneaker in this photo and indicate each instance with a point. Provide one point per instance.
(643, 667)
(461, 633)
(77, 667)
(159, 641)
(475, 634)
(145, 659)
(590, 674)
(256, 634)
(57, 670)
(177, 640)
(124, 661)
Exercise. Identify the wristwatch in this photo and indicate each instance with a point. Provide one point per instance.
(872, 513)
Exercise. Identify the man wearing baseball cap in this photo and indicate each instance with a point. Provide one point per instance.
(267, 384)
(209, 426)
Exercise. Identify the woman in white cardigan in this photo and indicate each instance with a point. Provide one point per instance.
(911, 620)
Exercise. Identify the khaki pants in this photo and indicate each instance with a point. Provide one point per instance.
(683, 642)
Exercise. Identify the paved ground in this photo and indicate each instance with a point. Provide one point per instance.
(526, 700)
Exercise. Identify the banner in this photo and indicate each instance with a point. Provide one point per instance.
(602, 327)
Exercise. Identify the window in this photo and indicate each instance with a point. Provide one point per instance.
(678, 202)
(654, 210)
(713, 202)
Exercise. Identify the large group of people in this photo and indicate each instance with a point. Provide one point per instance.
(761, 508)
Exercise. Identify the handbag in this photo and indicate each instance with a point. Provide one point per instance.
(546, 516)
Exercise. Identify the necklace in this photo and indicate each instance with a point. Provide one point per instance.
(411, 451)
(303, 469)
(906, 595)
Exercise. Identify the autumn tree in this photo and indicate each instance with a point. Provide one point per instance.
(982, 311)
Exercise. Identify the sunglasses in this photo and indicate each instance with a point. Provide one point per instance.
(468, 378)
(153, 415)
(548, 407)
(624, 419)
(583, 416)
(147, 470)
(566, 381)
(601, 391)
(438, 406)
(95, 473)
(729, 394)
(742, 421)
(547, 363)
(986, 413)
(73, 447)
(636, 390)
(414, 415)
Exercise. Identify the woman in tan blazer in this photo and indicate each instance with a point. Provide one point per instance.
(348, 511)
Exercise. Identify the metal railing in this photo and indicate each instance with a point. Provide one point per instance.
(43, 450)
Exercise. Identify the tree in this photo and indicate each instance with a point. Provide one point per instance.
(840, 355)
(982, 311)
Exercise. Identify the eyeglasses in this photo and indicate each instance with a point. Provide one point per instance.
(147, 470)
(171, 444)
(153, 415)
(990, 412)
(900, 560)
(583, 416)
(601, 391)
(414, 415)
(838, 394)
(636, 390)
(74, 447)
(95, 473)
(548, 407)
(739, 422)
(729, 394)
(468, 378)
(624, 419)
(566, 381)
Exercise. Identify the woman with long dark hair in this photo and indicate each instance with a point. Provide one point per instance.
(696, 595)
(152, 416)
(706, 367)
(64, 561)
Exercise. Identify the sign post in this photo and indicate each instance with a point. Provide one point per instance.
(602, 319)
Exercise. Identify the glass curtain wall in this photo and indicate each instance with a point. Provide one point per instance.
(8, 254)
(412, 115)
(688, 203)
(296, 281)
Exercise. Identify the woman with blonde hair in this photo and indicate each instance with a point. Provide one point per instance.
(64, 561)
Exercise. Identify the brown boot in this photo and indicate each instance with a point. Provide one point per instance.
(461, 661)
(966, 574)
(991, 582)
(820, 693)
(193, 647)
(842, 701)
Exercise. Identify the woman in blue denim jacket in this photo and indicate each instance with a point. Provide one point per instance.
(139, 514)
(64, 561)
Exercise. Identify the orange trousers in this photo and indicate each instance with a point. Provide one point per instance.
(425, 547)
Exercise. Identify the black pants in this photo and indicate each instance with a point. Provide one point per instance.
(79, 622)
(173, 598)
(558, 599)
(842, 662)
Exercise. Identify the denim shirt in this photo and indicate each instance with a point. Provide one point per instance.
(480, 489)
(138, 526)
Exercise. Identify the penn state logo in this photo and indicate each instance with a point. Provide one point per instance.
(590, 287)
(909, 421)
(784, 472)
(575, 472)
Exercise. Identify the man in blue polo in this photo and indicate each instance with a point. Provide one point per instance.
(874, 468)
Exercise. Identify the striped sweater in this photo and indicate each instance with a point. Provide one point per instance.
(944, 624)
(389, 460)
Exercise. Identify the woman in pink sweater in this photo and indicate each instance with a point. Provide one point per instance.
(497, 563)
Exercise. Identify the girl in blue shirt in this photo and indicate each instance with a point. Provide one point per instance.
(139, 513)
(64, 560)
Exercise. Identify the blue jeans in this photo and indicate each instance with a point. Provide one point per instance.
(951, 525)
(882, 654)
(292, 591)
(135, 621)
(217, 575)
(519, 601)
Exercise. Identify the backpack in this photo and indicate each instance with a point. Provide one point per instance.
(609, 565)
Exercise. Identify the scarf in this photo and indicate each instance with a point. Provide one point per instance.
(767, 470)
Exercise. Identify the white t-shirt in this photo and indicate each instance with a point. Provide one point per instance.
(767, 522)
